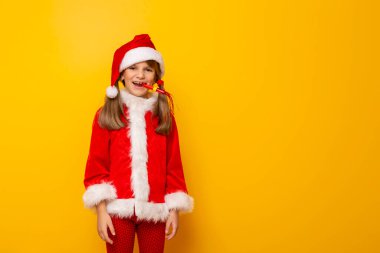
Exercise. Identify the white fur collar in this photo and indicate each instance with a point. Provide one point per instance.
(134, 102)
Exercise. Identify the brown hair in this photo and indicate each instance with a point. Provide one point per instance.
(112, 110)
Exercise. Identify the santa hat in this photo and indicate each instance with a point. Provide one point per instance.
(141, 48)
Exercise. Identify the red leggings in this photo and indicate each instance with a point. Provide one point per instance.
(150, 236)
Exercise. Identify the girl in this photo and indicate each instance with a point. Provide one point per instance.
(134, 177)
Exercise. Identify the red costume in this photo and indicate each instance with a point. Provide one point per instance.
(135, 169)
(137, 172)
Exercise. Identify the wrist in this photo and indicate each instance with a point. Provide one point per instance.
(101, 207)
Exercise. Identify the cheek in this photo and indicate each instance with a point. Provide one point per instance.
(128, 85)
(151, 76)
(127, 76)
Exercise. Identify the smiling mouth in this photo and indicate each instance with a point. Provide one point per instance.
(139, 84)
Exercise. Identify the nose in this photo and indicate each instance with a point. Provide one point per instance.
(140, 74)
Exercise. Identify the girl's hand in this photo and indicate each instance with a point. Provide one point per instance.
(104, 222)
(173, 222)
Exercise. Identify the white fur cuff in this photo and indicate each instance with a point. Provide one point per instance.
(179, 201)
(97, 193)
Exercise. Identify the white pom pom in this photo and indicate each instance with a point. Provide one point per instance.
(111, 91)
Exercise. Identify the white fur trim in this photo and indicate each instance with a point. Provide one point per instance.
(140, 54)
(151, 211)
(111, 91)
(179, 201)
(137, 107)
(125, 208)
(96, 193)
(122, 208)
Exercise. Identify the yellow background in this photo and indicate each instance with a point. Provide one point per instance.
(277, 104)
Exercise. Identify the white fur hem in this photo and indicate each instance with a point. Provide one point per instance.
(179, 201)
(125, 208)
(96, 193)
(122, 208)
(151, 211)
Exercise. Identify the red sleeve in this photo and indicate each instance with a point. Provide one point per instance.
(96, 178)
(176, 191)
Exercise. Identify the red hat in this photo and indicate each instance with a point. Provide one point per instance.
(141, 48)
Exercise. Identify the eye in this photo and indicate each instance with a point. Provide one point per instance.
(131, 67)
(150, 70)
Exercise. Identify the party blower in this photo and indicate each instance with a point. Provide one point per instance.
(156, 88)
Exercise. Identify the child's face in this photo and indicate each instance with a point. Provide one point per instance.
(138, 72)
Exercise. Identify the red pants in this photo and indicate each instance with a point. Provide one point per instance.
(150, 236)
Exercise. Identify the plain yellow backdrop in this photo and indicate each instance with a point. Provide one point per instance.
(277, 104)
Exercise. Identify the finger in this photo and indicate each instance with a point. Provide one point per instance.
(168, 223)
(106, 238)
(101, 235)
(172, 234)
(112, 229)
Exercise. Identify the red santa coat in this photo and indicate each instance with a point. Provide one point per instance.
(134, 169)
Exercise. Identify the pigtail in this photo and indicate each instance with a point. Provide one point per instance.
(111, 111)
